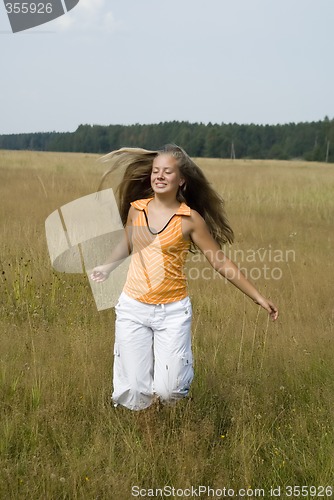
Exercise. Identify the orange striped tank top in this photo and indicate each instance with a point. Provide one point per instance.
(156, 273)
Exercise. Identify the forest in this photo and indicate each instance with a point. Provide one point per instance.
(310, 141)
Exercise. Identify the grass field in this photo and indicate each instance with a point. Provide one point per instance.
(261, 410)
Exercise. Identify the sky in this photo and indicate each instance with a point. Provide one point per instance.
(149, 61)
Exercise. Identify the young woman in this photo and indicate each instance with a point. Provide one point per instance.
(167, 205)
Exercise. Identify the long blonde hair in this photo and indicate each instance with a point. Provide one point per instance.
(196, 192)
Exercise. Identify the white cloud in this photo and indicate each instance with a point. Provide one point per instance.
(88, 15)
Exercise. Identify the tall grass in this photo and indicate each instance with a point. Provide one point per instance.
(261, 407)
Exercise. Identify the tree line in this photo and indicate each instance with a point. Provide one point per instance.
(310, 141)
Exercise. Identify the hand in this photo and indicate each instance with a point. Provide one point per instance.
(100, 274)
(268, 306)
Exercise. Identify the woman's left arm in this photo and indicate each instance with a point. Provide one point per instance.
(203, 239)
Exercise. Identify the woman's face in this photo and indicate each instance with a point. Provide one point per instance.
(165, 176)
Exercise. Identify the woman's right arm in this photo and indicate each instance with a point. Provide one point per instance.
(203, 239)
(120, 252)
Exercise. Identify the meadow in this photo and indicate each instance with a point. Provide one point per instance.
(261, 408)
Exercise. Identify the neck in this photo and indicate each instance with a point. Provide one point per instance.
(165, 201)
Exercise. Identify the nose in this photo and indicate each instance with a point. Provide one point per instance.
(160, 175)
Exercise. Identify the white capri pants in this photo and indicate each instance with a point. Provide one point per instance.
(152, 352)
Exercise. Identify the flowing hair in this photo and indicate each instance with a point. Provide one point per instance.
(196, 191)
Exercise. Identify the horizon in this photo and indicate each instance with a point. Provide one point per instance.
(326, 118)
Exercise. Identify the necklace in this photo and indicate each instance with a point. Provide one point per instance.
(158, 232)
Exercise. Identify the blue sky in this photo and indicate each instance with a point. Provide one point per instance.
(144, 61)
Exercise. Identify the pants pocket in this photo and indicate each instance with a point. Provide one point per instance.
(186, 305)
(187, 359)
(185, 373)
(116, 350)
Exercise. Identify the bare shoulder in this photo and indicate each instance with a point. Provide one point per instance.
(132, 215)
(132, 211)
(195, 220)
(196, 217)
(192, 223)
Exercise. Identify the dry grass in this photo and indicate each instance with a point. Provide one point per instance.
(261, 412)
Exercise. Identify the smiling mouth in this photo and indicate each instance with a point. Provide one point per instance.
(160, 184)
